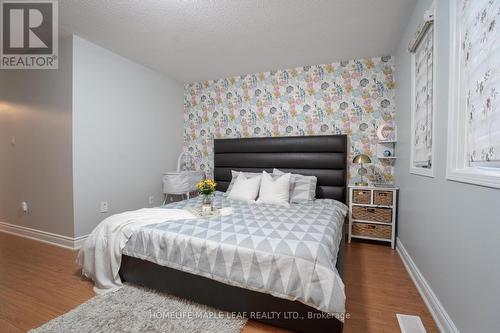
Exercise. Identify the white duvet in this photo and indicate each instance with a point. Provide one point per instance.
(100, 256)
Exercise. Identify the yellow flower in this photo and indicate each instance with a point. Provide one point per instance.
(206, 186)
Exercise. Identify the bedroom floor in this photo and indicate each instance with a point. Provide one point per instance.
(39, 282)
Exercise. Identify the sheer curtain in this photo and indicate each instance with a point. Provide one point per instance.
(479, 22)
(423, 58)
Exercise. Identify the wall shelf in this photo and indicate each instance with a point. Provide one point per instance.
(386, 145)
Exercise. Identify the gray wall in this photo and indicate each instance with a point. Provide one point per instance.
(450, 229)
(35, 107)
(127, 130)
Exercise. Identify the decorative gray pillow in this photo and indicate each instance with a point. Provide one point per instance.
(234, 175)
(302, 188)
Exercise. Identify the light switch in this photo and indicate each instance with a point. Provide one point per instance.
(13, 140)
(104, 207)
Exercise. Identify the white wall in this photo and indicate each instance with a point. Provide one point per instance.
(127, 130)
(35, 107)
(450, 229)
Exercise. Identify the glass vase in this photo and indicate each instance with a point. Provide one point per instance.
(207, 204)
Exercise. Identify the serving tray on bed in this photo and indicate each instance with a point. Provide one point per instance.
(197, 211)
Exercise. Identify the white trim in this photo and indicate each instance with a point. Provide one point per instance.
(428, 20)
(438, 312)
(456, 166)
(43, 236)
(475, 176)
(427, 172)
(78, 242)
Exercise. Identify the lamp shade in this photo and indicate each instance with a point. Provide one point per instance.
(361, 158)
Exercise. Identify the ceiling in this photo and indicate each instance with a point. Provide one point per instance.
(206, 39)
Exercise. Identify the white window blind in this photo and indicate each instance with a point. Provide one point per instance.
(423, 100)
(479, 39)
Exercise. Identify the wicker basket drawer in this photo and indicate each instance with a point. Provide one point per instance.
(361, 196)
(372, 230)
(382, 198)
(375, 214)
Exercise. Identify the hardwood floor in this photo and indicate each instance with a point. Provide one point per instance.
(39, 282)
(378, 287)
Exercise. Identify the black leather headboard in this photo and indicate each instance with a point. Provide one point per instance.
(322, 156)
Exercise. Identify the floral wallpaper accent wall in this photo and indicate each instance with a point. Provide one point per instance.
(348, 97)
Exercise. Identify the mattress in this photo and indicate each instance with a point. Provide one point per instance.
(289, 253)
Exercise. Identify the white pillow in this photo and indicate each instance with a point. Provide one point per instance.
(235, 174)
(275, 191)
(245, 189)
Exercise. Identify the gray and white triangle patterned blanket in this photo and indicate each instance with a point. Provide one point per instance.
(287, 252)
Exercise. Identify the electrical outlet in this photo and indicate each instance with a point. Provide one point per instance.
(151, 200)
(104, 206)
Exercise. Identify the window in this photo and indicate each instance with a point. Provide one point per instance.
(422, 118)
(474, 114)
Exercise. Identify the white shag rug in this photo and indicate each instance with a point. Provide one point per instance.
(134, 309)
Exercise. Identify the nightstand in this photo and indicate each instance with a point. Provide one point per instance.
(372, 213)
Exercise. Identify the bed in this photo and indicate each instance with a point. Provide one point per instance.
(321, 156)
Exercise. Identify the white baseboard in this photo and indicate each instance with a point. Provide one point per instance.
(441, 317)
(43, 236)
(78, 242)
